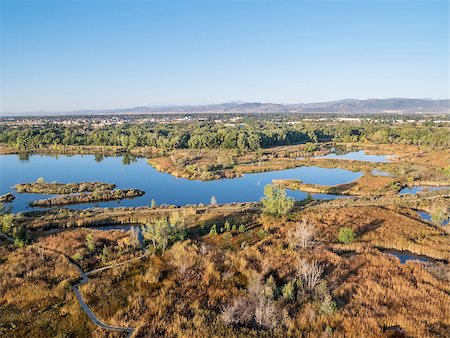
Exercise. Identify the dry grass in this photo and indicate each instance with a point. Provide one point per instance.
(35, 295)
(251, 284)
(383, 228)
(74, 244)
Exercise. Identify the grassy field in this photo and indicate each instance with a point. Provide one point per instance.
(246, 279)
(240, 272)
(186, 290)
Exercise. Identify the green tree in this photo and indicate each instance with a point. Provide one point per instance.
(6, 221)
(90, 242)
(227, 226)
(6, 218)
(276, 201)
(161, 233)
(105, 254)
(438, 214)
(20, 236)
(213, 230)
(310, 147)
(242, 228)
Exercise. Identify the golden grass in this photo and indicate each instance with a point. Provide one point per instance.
(183, 291)
(35, 295)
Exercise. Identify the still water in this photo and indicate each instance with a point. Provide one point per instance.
(163, 187)
(427, 217)
(357, 156)
(416, 189)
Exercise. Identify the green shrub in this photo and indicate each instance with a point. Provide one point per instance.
(263, 233)
(227, 226)
(346, 235)
(6, 222)
(275, 200)
(78, 256)
(327, 306)
(288, 291)
(213, 230)
(227, 235)
(90, 242)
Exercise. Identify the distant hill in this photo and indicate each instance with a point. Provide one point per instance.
(395, 104)
(340, 106)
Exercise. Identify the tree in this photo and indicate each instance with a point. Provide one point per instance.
(303, 235)
(153, 203)
(105, 254)
(227, 226)
(309, 273)
(20, 235)
(276, 201)
(6, 221)
(161, 233)
(6, 218)
(438, 214)
(242, 228)
(310, 147)
(213, 230)
(213, 201)
(90, 242)
(346, 235)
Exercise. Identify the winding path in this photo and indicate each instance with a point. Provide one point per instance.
(89, 312)
(84, 280)
(86, 308)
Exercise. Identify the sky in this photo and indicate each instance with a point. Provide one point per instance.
(59, 55)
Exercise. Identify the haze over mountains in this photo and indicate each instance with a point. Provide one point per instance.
(394, 105)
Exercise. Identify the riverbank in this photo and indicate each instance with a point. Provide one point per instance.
(63, 218)
(366, 185)
(407, 162)
(96, 196)
(41, 187)
(7, 198)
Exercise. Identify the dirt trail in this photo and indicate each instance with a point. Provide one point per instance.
(86, 308)
(85, 279)
(90, 313)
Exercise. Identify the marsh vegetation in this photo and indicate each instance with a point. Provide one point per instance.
(282, 264)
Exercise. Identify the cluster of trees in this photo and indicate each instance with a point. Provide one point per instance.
(18, 233)
(162, 232)
(166, 137)
(252, 135)
(275, 200)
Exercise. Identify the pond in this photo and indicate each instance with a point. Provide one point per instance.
(124, 227)
(163, 187)
(427, 217)
(415, 190)
(357, 156)
(405, 256)
(377, 172)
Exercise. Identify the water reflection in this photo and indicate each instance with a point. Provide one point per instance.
(163, 187)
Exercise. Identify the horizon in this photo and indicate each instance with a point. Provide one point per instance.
(63, 56)
(120, 110)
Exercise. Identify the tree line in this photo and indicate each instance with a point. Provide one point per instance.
(252, 135)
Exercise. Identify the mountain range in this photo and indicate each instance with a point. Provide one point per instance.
(394, 105)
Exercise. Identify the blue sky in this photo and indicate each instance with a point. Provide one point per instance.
(67, 55)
